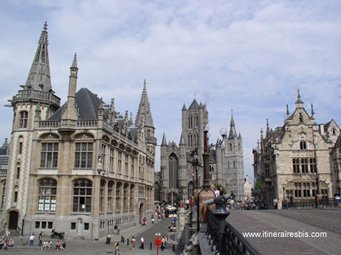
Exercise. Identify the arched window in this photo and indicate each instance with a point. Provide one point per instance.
(82, 191)
(23, 119)
(47, 195)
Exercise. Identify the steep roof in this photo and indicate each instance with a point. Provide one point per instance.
(194, 105)
(39, 77)
(144, 114)
(87, 104)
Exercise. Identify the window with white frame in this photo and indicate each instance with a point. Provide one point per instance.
(47, 195)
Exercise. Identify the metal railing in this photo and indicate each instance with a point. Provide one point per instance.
(225, 239)
(311, 203)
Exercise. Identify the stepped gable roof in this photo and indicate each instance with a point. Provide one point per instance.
(87, 104)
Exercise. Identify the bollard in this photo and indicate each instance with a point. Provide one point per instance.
(122, 239)
(128, 241)
(151, 246)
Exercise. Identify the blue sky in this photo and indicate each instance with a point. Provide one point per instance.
(249, 56)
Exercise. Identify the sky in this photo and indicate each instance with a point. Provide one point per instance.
(246, 57)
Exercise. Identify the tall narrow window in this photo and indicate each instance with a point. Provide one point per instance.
(132, 198)
(303, 145)
(101, 196)
(18, 172)
(304, 165)
(23, 119)
(82, 192)
(49, 155)
(104, 158)
(312, 162)
(126, 164)
(110, 195)
(20, 147)
(119, 162)
(2, 194)
(296, 165)
(47, 195)
(83, 155)
(125, 197)
(111, 163)
(298, 190)
(118, 197)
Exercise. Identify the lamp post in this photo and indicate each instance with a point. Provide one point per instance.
(157, 242)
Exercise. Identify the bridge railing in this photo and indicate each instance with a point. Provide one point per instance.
(224, 238)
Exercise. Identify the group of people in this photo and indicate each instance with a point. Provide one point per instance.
(6, 241)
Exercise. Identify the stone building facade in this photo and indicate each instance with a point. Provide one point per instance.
(295, 162)
(181, 164)
(3, 172)
(81, 167)
(227, 162)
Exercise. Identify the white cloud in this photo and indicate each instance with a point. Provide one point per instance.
(250, 56)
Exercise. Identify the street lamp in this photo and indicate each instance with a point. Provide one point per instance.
(157, 242)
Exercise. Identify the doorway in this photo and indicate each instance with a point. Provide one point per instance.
(13, 220)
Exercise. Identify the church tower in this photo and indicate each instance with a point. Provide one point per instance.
(178, 176)
(34, 102)
(228, 167)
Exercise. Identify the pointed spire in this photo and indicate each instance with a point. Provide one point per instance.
(288, 113)
(232, 133)
(312, 110)
(71, 110)
(164, 142)
(267, 126)
(39, 77)
(182, 139)
(299, 102)
(143, 111)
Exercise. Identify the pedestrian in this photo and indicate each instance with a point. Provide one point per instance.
(275, 201)
(31, 239)
(152, 220)
(337, 198)
(40, 238)
(117, 248)
(163, 243)
(142, 243)
(133, 242)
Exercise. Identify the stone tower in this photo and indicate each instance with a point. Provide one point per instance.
(34, 102)
(178, 177)
(228, 169)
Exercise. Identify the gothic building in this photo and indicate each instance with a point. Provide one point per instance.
(299, 161)
(3, 172)
(80, 167)
(181, 164)
(227, 162)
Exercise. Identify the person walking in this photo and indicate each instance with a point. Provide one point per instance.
(31, 239)
(40, 239)
(142, 243)
(133, 242)
(117, 248)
